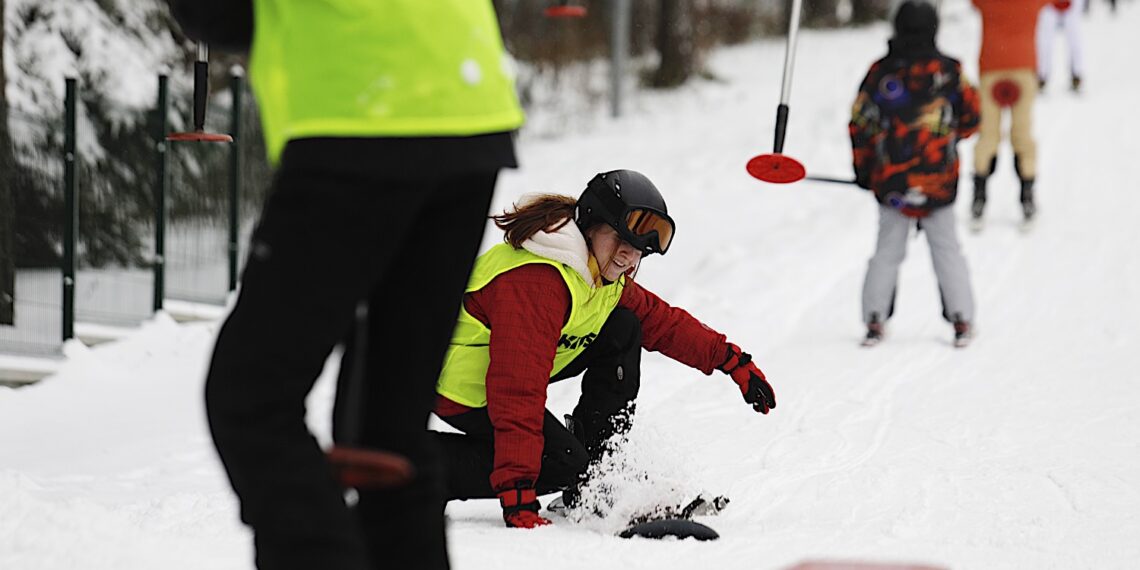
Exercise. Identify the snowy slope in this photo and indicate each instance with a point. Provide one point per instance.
(1021, 451)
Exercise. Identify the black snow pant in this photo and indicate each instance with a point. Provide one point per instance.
(329, 238)
(612, 365)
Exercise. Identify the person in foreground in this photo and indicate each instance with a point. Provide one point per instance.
(388, 123)
(558, 299)
(913, 107)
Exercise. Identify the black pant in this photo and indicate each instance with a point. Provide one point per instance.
(612, 365)
(328, 239)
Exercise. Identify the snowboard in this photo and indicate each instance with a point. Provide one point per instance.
(675, 528)
(677, 521)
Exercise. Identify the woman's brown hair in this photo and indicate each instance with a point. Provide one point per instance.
(546, 212)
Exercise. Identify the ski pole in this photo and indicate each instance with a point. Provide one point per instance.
(829, 179)
(776, 167)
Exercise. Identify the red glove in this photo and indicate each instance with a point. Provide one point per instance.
(753, 385)
(520, 507)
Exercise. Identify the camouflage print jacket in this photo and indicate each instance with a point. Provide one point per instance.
(912, 109)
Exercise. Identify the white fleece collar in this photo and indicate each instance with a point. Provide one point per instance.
(565, 245)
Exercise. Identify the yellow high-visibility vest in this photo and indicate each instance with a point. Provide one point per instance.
(464, 376)
(380, 68)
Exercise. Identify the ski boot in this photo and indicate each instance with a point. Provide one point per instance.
(963, 332)
(978, 207)
(1028, 206)
(571, 496)
(874, 331)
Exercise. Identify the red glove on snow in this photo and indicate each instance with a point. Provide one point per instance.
(520, 507)
(755, 388)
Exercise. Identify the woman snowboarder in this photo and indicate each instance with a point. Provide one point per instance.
(554, 301)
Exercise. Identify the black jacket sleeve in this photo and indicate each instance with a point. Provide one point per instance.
(222, 24)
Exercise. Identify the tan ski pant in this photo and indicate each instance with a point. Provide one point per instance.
(1021, 122)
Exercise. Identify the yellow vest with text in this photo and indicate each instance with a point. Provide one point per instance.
(380, 68)
(464, 376)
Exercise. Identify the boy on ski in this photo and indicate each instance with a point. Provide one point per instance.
(559, 299)
(912, 109)
(1008, 78)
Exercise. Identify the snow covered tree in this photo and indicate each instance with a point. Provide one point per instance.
(116, 49)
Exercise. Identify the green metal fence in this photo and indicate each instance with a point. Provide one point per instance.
(109, 237)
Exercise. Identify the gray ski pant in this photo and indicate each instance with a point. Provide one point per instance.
(949, 264)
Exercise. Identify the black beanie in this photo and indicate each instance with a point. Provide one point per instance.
(916, 18)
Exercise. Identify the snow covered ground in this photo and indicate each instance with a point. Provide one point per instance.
(1021, 451)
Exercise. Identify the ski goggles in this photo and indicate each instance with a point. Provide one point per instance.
(648, 230)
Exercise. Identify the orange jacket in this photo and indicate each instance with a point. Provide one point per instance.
(1008, 33)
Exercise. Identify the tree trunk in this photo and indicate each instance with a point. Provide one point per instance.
(867, 11)
(7, 204)
(820, 13)
(676, 43)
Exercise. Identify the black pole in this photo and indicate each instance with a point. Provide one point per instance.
(781, 128)
(70, 207)
(236, 102)
(351, 424)
(830, 179)
(161, 188)
(200, 85)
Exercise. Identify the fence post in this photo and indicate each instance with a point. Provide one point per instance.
(236, 101)
(160, 191)
(70, 206)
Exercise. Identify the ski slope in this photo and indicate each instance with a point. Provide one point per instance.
(1020, 451)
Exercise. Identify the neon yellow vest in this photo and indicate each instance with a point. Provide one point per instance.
(380, 68)
(464, 376)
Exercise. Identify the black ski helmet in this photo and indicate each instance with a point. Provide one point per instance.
(628, 202)
(916, 18)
